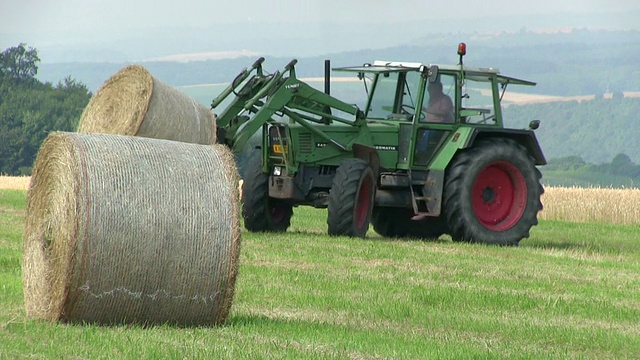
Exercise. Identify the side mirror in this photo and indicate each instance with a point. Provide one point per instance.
(432, 73)
(534, 124)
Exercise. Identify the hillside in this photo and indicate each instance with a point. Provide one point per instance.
(580, 62)
(596, 130)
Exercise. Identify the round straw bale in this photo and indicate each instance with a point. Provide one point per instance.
(124, 229)
(132, 102)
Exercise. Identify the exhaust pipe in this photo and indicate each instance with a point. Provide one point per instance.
(327, 77)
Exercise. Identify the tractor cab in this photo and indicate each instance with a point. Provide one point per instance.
(432, 100)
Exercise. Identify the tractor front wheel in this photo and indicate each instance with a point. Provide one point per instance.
(351, 199)
(259, 211)
(492, 193)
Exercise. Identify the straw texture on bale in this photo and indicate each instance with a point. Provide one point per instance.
(124, 229)
(132, 102)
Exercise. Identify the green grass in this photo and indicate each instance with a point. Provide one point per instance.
(570, 291)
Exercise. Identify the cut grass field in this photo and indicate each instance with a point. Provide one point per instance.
(570, 291)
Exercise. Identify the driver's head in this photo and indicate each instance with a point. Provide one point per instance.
(435, 87)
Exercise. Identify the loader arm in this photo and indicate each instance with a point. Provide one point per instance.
(263, 96)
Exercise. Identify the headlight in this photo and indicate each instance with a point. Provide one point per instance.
(277, 171)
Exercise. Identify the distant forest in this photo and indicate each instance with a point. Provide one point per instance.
(574, 171)
(596, 130)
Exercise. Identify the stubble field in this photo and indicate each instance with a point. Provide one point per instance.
(569, 291)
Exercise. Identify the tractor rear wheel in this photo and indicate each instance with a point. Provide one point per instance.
(396, 222)
(492, 193)
(351, 199)
(259, 211)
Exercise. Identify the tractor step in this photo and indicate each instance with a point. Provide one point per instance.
(419, 216)
(399, 180)
(418, 199)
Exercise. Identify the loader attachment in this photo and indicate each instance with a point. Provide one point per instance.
(262, 96)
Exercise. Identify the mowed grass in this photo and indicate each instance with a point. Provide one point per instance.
(570, 291)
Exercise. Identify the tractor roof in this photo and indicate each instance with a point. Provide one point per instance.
(470, 72)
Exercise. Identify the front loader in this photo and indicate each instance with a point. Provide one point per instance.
(394, 164)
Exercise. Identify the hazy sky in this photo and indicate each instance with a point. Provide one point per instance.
(41, 16)
(63, 29)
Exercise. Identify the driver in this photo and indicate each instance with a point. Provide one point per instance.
(440, 107)
(439, 110)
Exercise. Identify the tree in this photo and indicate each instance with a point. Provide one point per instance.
(622, 165)
(19, 63)
(617, 95)
(30, 110)
(567, 163)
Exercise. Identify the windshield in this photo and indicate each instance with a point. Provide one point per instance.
(394, 96)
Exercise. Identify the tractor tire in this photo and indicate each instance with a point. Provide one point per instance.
(351, 199)
(396, 222)
(389, 222)
(492, 193)
(260, 212)
(427, 228)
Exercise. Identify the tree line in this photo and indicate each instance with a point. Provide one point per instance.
(621, 165)
(31, 109)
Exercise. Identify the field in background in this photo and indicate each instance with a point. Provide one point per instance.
(570, 291)
(615, 206)
(604, 205)
(14, 182)
(352, 91)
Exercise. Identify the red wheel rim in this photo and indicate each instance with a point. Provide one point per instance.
(499, 196)
(363, 202)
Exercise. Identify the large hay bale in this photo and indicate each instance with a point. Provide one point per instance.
(132, 102)
(126, 229)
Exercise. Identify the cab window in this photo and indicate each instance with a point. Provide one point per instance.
(395, 96)
(477, 103)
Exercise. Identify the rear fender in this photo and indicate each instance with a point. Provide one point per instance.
(465, 137)
(526, 138)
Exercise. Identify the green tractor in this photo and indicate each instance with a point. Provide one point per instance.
(428, 155)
